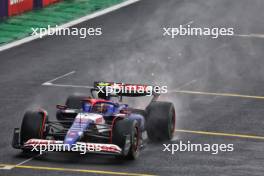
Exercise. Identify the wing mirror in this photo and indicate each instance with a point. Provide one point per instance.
(61, 107)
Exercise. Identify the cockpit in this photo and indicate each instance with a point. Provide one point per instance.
(104, 108)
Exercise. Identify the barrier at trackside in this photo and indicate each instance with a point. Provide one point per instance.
(44, 3)
(3, 8)
(15, 7)
(48, 2)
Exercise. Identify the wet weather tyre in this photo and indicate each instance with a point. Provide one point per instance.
(131, 128)
(33, 126)
(161, 119)
(74, 101)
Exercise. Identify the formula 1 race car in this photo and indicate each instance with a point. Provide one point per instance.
(98, 124)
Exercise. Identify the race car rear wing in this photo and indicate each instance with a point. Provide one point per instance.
(129, 90)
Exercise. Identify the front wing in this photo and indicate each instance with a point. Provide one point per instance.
(42, 145)
(58, 145)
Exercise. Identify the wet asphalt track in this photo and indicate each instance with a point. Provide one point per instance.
(132, 49)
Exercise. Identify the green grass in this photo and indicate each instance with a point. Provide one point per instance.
(18, 27)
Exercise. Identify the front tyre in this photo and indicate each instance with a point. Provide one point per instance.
(161, 119)
(121, 129)
(33, 126)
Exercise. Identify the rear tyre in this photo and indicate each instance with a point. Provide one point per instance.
(72, 102)
(131, 128)
(33, 126)
(161, 119)
(75, 101)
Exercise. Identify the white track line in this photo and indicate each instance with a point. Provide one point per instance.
(250, 35)
(19, 164)
(47, 83)
(50, 82)
(71, 23)
(190, 22)
(182, 86)
(68, 85)
(185, 85)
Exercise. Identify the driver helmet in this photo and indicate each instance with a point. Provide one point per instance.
(86, 106)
